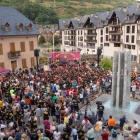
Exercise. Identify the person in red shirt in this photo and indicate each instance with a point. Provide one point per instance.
(104, 135)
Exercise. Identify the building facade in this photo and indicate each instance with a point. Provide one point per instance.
(112, 30)
(18, 37)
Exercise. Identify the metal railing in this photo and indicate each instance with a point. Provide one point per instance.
(13, 54)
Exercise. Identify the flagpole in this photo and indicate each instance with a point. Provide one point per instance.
(53, 45)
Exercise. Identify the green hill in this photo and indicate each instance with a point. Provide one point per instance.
(44, 12)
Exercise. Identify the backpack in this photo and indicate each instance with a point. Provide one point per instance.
(70, 121)
(78, 118)
(114, 134)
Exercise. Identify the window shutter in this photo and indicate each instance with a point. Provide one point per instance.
(12, 46)
(32, 61)
(22, 44)
(23, 63)
(31, 45)
(1, 50)
(2, 64)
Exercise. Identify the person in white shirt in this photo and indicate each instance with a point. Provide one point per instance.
(81, 96)
(57, 94)
(100, 124)
(133, 89)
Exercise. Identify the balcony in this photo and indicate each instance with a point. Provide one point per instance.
(112, 40)
(114, 24)
(72, 39)
(72, 34)
(90, 34)
(116, 32)
(89, 40)
(12, 55)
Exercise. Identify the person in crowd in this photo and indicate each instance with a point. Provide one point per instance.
(111, 123)
(90, 133)
(114, 134)
(122, 121)
(100, 124)
(100, 110)
(104, 135)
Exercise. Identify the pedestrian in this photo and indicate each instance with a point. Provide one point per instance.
(111, 123)
(104, 135)
(90, 133)
(74, 132)
(114, 135)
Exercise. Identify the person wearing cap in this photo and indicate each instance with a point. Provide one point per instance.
(93, 118)
(65, 135)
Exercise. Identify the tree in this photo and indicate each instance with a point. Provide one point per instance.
(56, 40)
(106, 64)
(41, 39)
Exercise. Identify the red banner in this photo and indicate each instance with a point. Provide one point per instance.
(65, 55)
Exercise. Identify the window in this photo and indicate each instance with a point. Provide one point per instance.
(106, 37)
(129, 47)
(81, 32)
(31, 44)
(106, 29)
(132, 39)
(32, 61)
(22, 45)
(12, 46)
(116, 44)
(1, 50)
(101, 39)
(94, 38)
(24, 63)
(128, 29)
(101, 32)
(133, 29)
(106, 44)
(6, 27)
(2, 64)
(135, 58)
(78, 32)
(93, 31)
(133, 47)
(127, 38)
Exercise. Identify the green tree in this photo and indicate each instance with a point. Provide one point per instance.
(41, 39)
(106, 64)
(56, 40)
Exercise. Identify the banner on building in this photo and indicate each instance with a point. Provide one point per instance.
(65, 55)
(46, 67)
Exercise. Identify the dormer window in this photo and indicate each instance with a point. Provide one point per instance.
(28, 26)
(19, 26)
(5, 26)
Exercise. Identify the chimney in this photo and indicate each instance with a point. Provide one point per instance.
(138, 3)
(119, 8)
(124, 9)
(108, 12)
(133, 16)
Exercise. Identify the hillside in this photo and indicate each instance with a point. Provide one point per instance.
(44, 12)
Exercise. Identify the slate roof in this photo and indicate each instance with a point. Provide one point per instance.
(54, 28)
(42, 30)
(13, 17)
(48, 30)
(102, 19)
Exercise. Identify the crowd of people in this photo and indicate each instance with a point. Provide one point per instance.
(38, 105)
